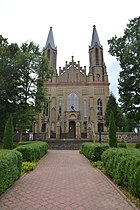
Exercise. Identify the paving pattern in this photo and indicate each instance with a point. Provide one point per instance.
(64, 180)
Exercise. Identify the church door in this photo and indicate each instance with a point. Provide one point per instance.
(72, 129)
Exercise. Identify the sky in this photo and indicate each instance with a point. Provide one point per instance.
(72, 22)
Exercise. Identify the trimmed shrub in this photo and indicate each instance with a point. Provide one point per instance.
(8, 134)
(33, 151)
(112, 131)
(10, 168)
(123, 165)
(93, 151)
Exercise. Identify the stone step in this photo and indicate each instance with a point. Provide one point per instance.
(68, 144)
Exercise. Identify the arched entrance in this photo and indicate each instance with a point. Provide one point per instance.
(72, 129)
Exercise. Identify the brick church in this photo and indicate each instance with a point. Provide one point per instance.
(77, 97)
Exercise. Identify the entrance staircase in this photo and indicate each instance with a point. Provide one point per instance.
(66, 144)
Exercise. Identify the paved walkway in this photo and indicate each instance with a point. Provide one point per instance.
(64, 180)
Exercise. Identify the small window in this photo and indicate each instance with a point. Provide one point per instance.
(43, 127)
(98, 77)
(85, 126)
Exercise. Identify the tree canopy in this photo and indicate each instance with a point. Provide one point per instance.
(127, 51)
(23, 70)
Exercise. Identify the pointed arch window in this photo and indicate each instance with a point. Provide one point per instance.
(60, 105)
(97, 56)
(72, 102)
(99, 107)
(85, 108)
(48, 54)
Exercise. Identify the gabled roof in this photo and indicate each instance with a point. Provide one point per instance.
(50, 40)
(95, 39)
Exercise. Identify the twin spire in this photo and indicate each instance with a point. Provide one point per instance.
(50, 40)
(95, 39)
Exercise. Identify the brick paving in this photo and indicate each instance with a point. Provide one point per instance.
(64, 180)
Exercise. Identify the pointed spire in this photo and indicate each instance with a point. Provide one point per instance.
(50, 40)
(95, 38)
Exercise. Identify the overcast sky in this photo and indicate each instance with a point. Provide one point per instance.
(72, 22)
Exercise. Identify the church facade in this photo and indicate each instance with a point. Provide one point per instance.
(77, 97)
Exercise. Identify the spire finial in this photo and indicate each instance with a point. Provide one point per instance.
(72, 58)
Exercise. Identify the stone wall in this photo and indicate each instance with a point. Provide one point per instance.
(121, 136)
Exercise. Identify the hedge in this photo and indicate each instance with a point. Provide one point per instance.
(123, 165)
(10, 168)
(93, 151)
(33, 151)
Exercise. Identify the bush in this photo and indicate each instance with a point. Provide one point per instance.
(10, 168)
(93, 151)
(8, 134)
(33, 151)
(112, 131)
(123, 165)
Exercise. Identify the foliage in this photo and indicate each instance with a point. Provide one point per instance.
(112, 131)
(121, 145)
(28, 166)
(93, 151)
(127, 50)
(34, 151)
(25, 142)
(98, 164)
(10, 168)
(123, 165)
(138, 145)
(113, 106)
(23, 70)
(8, 134)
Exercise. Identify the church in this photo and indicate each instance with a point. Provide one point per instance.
(77, 96)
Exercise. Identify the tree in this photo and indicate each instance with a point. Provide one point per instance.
(8, 80)
(113, 106)
(21, 70)
(112, 131)
(8, 134)
(127, 51)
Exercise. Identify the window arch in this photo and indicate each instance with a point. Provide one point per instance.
(99, 107)
(72, 100)
(97, 56)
